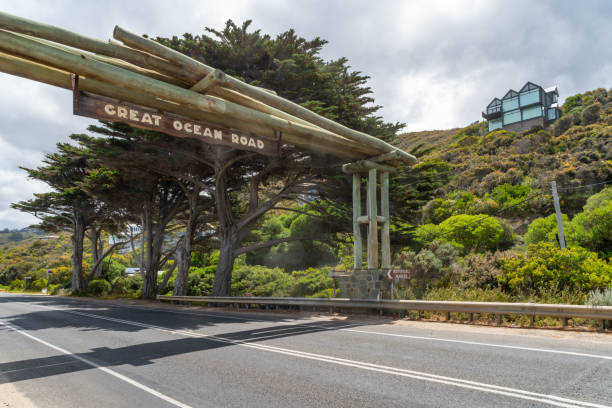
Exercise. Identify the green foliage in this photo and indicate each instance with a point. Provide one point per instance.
(545, 266)
(600, 297)
(39, 284)
(544, 229)
(55, 289)
(127, 286)
(427, 266)
(99, 287)
(17, 285)
(480, 271)
(468, 232)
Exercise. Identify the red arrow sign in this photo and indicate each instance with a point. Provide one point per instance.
(398, 274)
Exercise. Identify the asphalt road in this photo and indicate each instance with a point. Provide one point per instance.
(58, 352)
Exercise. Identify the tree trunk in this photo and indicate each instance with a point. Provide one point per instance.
(78, 236)
(223, 274)
(149, 279)
(183, 252)
(182, 262)
(96, 251)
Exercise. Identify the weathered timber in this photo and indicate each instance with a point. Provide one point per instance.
(41, 73)
(373, 225)
(62, 36)
(364, 166)
(357, 245)
(385, 231)
(112, 61)
(29, 49)
(275, 101)
(364, 219)
(101, 107)
(207, 83)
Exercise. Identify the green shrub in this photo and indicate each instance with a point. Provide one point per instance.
(16, 284)
(55, 289)
(469, 232)
(39, 284)
(480, 271)
(600, 298)
(545, 266)
(127, 285)
(99, 287)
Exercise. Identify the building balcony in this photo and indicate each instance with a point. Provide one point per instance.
(492, 114)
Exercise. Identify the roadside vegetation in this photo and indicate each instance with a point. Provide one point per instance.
(472, 221)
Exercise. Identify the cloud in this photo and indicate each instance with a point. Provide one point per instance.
(432, 64)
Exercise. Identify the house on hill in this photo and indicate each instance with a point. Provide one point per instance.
(517, 111)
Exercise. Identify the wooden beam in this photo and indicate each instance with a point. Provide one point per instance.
(275, 101)
(364, 219)
(37, 72)
(373, 226)
(119, 77)
(364, 166)
(385, 232)
(208, 82)
(357, 245)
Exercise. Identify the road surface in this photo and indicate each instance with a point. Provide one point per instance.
(64, 352)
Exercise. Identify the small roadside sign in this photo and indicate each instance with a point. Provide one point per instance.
(393, 274)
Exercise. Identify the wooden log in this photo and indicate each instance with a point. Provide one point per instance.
(373, 226)
(90, 68)
(363, 166)
(386, 227)
(59, 35)
(275, 101)
(364, 219)
(207, 83)
(112, 61)
(37, 72)
(357, 245)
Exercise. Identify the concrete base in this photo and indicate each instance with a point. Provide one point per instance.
(365, 284)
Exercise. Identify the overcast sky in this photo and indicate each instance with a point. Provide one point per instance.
(433, 64)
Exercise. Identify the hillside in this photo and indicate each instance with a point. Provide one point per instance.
(506, 168)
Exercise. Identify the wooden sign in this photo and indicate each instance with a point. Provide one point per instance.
(393, 274)
(101, 107)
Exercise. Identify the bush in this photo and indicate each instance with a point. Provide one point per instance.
(127, 285)
(470, 232)
(55, 289)
(39, 284)
(545, 266)
(99, 287)
(16, 284)
(600, 298)
(480, 271)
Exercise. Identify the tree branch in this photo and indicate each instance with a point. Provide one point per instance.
(277, 241)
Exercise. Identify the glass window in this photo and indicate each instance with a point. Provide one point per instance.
(495, 124)
(532, 112)
(512, 117)
(552, 114)
(511, 103)
(494, 109)
(529, 97)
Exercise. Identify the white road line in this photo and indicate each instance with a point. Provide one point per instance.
(467, 342)
(457, 382)
(571, 353)
(115, 374)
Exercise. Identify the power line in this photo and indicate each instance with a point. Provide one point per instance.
(585, 186)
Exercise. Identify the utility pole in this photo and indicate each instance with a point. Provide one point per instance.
(559, 219)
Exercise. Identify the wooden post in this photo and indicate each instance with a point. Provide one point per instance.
(558, 211)
(384, 209)
(373, 221)
(357, 246)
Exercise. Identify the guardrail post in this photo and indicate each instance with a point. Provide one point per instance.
(471, 318)
(603, 325)
(448, 316)
(500, 318)
(564, 322)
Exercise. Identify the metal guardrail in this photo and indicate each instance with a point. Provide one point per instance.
(533, 310)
